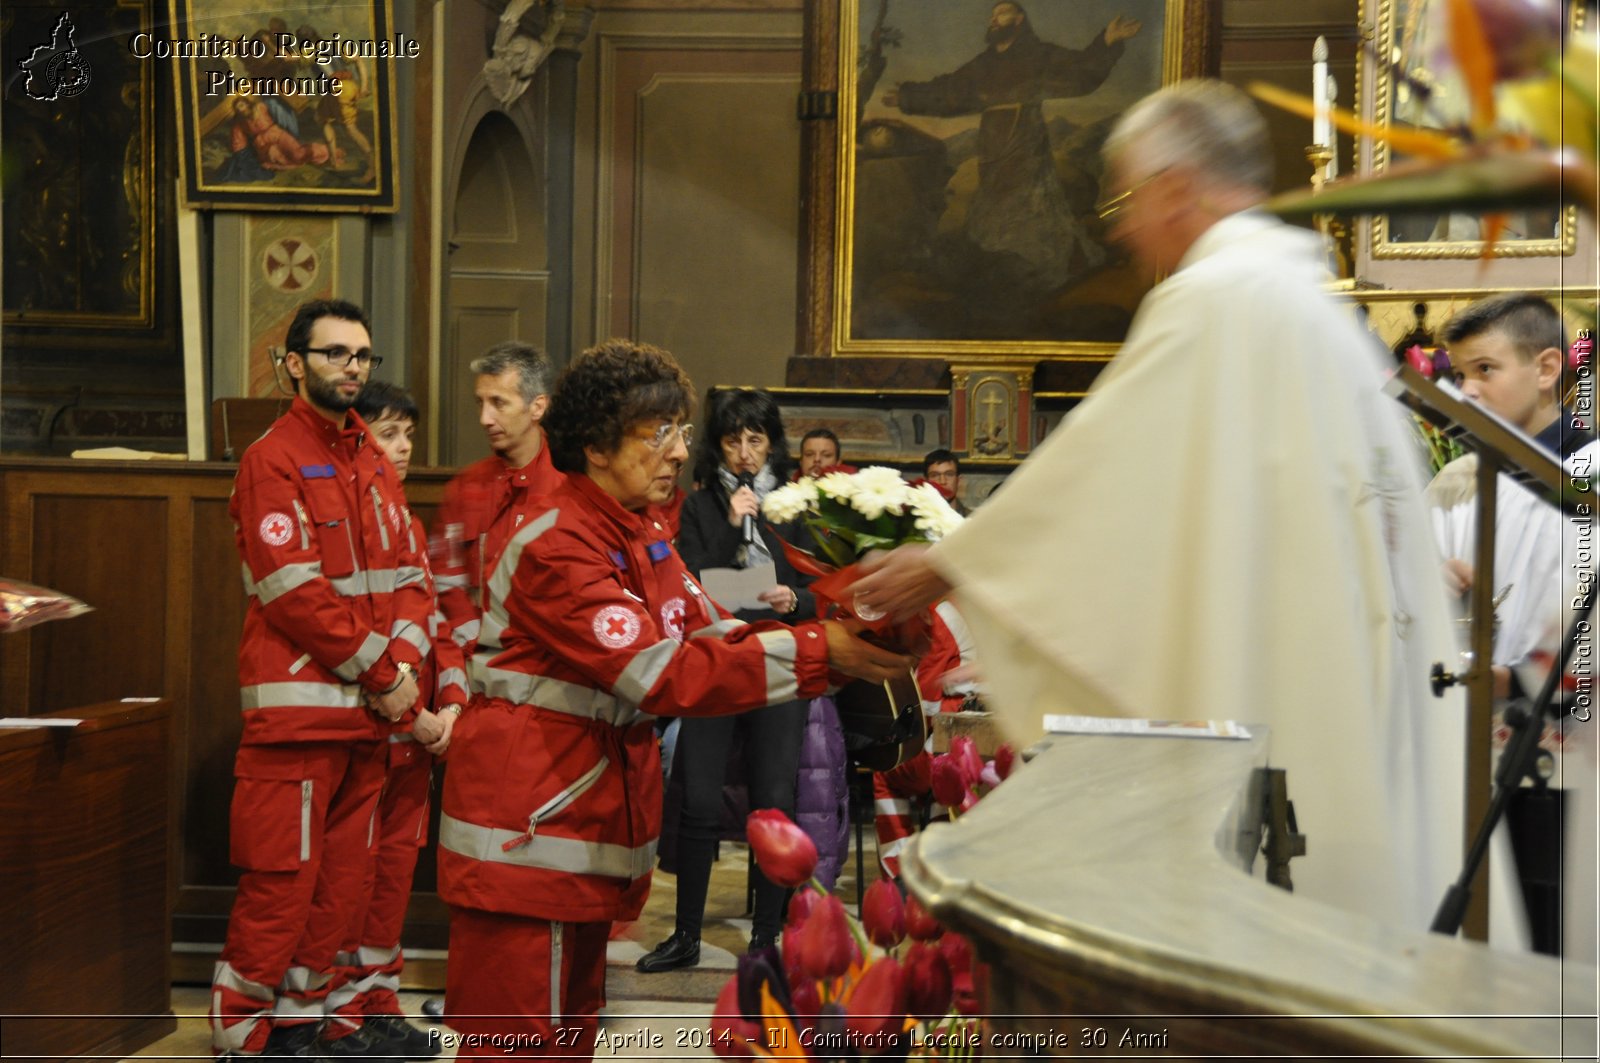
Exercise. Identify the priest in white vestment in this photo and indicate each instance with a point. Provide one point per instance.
(1229, 526)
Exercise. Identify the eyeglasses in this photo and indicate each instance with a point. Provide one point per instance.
(663, 436)
(1110, 209)
(339, 356)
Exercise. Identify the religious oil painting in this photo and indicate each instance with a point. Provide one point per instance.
(288, 107)
(970, 139)
(1416, 83)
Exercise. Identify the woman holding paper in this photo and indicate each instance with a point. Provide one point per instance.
(742, 456)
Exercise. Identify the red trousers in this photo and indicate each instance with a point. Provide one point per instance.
(524, 988)
(370, 960)
(301, 828)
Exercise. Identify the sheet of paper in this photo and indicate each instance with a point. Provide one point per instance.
(1116, 725)
(736, 588)
(37, 721)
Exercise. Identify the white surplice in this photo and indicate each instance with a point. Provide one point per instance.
(1230, 527)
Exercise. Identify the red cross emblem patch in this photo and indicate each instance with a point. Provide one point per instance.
(276, 528)
(673, 615)
(616, 626)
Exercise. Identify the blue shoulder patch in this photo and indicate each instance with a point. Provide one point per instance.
(317, 472)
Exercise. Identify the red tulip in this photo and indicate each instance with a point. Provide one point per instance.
(957, 952)
(949, 788)
(825, 940)
(883, 914)
(877, 1008)
(990, 777)
(1420, 360)
(800, 906)
(1005, 759)
(965, 753)
(963, 994)
(927, 976)
(807, 999)
(792, 953)
(919, 924)
(729, 1029)
(784, 853)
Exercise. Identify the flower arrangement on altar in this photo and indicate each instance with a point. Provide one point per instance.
(893, 984)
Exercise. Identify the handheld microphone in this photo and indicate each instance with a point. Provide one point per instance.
(747, 479)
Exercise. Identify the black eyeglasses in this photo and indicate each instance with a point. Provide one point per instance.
(340, 356)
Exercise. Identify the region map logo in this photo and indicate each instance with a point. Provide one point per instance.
(56, 71)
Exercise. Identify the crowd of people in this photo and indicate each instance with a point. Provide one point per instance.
(555, 619)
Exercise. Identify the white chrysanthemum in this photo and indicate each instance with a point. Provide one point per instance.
(838, 485)
(934, 515)
(879, 490)
(785, 503)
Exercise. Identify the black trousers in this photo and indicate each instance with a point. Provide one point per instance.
(772, 739)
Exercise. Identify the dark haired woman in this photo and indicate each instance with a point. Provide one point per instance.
(592, 626)
(742, 456)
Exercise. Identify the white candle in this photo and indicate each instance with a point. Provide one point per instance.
(1320, 127)
(1333, 134)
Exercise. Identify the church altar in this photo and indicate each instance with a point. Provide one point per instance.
(1106, 885)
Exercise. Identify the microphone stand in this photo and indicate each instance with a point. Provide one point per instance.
(1516, 763)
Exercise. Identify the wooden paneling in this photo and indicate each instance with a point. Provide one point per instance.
(151, 547)
(83, 927)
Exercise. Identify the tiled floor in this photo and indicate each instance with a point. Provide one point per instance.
(662, 1016)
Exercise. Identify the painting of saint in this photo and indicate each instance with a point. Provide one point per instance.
(975, 166)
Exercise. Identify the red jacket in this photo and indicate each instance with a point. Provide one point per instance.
(552, 805)
(950, 646)
(477, 497)
(443, 675)
(335, 578)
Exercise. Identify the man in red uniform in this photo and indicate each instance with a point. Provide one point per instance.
(513, 385)
(337, 620)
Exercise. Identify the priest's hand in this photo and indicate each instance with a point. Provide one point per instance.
(857, 657)
(1457, 575)
(901, 583)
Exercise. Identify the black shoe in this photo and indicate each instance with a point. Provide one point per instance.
(399, 1038)
(759, 941)
(292, 1042)
(679, 950)
(361, 1044)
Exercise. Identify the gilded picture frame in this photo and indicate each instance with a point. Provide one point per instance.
(299, 114)
(1401, 252)
(965, 230)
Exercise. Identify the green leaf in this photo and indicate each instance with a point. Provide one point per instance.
(1483, 183)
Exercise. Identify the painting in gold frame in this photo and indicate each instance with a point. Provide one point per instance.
(966, 229)
(301, 116)
(1539, 248)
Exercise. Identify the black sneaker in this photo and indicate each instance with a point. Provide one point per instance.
(399, 1038)
(679, 950)
(360, 1044)
(298, 1041)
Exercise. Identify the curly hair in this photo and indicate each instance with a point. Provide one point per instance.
(606, 389)
(730, 411)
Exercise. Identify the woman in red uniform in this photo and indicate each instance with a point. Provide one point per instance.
(592, 627)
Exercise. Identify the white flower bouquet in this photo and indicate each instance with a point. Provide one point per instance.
(849, 513)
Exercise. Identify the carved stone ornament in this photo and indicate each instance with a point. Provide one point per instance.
(527, 32)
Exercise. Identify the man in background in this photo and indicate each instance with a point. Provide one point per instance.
(513, 392)
(942, 469)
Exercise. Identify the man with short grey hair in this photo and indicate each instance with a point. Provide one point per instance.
(513, 391)
(1263, 557)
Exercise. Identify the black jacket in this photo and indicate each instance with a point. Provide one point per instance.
(707, 540)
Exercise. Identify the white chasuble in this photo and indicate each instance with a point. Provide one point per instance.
(1230, 527)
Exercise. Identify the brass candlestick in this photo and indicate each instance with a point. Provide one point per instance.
(1337, 230)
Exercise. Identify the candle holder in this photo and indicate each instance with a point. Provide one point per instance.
(1337, 230)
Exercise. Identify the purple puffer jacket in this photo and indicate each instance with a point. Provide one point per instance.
(822, 790)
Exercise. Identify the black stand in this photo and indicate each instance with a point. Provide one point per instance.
(1516, 764)
(1284, 841)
